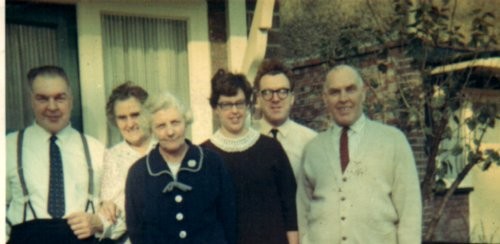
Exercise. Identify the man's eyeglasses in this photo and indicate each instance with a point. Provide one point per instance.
(268, 94)
(227, 106)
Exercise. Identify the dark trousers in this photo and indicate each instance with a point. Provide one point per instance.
(120, 240)
(45, 231)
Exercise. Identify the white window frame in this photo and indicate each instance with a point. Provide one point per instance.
(91, 59)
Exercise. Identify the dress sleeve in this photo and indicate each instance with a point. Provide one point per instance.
(110, 177)
(134, 202)
(226, 203)
(113, 231)
(286, 185)
(111, 182)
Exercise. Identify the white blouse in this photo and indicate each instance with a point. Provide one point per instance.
(117, 161)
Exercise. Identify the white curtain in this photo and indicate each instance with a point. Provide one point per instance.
(26, 47)
(151, 52)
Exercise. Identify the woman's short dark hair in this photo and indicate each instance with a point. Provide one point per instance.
(124, 92)
(227, 84)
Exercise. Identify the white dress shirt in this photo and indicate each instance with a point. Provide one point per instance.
(36, 168)
(292, 136)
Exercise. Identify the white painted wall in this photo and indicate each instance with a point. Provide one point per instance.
(237, 34)
(484, 201)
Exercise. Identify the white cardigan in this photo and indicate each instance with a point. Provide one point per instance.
(376, 200)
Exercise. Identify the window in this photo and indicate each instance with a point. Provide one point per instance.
(38, 34)
(101, 68)
(151, 52)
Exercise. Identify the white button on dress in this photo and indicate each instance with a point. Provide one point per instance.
(178, 199)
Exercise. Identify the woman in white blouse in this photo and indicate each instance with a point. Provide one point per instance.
(123, 110)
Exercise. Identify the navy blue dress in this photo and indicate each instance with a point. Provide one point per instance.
(265, 191)
(197, 208)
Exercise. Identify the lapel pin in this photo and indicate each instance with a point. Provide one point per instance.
(191, 163)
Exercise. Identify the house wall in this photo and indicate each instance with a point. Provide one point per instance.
(485, 199)
(484, 204)
(274, 47)
(91, 59)
(453, 226)
(217, 35)
(228, 37)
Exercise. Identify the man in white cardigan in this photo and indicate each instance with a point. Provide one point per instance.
(358, 181)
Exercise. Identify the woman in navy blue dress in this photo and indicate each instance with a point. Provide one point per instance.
(179, 192)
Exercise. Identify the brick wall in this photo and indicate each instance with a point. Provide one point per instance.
(453, 227)
(309, 108)
(309, 78)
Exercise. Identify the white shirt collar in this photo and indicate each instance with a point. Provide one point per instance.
(62, 135)
(284, 129)
(357, 127)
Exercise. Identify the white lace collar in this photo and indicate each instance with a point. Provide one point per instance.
(235, 144)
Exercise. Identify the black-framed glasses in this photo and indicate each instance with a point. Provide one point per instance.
(268, 94)
(227, 106)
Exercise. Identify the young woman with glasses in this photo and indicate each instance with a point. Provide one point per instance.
(263, 179)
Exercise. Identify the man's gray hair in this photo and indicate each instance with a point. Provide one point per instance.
(342, 67)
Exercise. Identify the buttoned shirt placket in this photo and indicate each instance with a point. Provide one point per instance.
(343, 177)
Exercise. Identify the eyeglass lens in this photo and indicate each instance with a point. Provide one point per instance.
(268, 94)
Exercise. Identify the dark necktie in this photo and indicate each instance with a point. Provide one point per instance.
(274, 131)
(344, 148)
(56, 185)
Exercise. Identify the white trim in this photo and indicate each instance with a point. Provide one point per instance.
(487, 63)
(91, 59)
(237, 34)
(257, 41)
